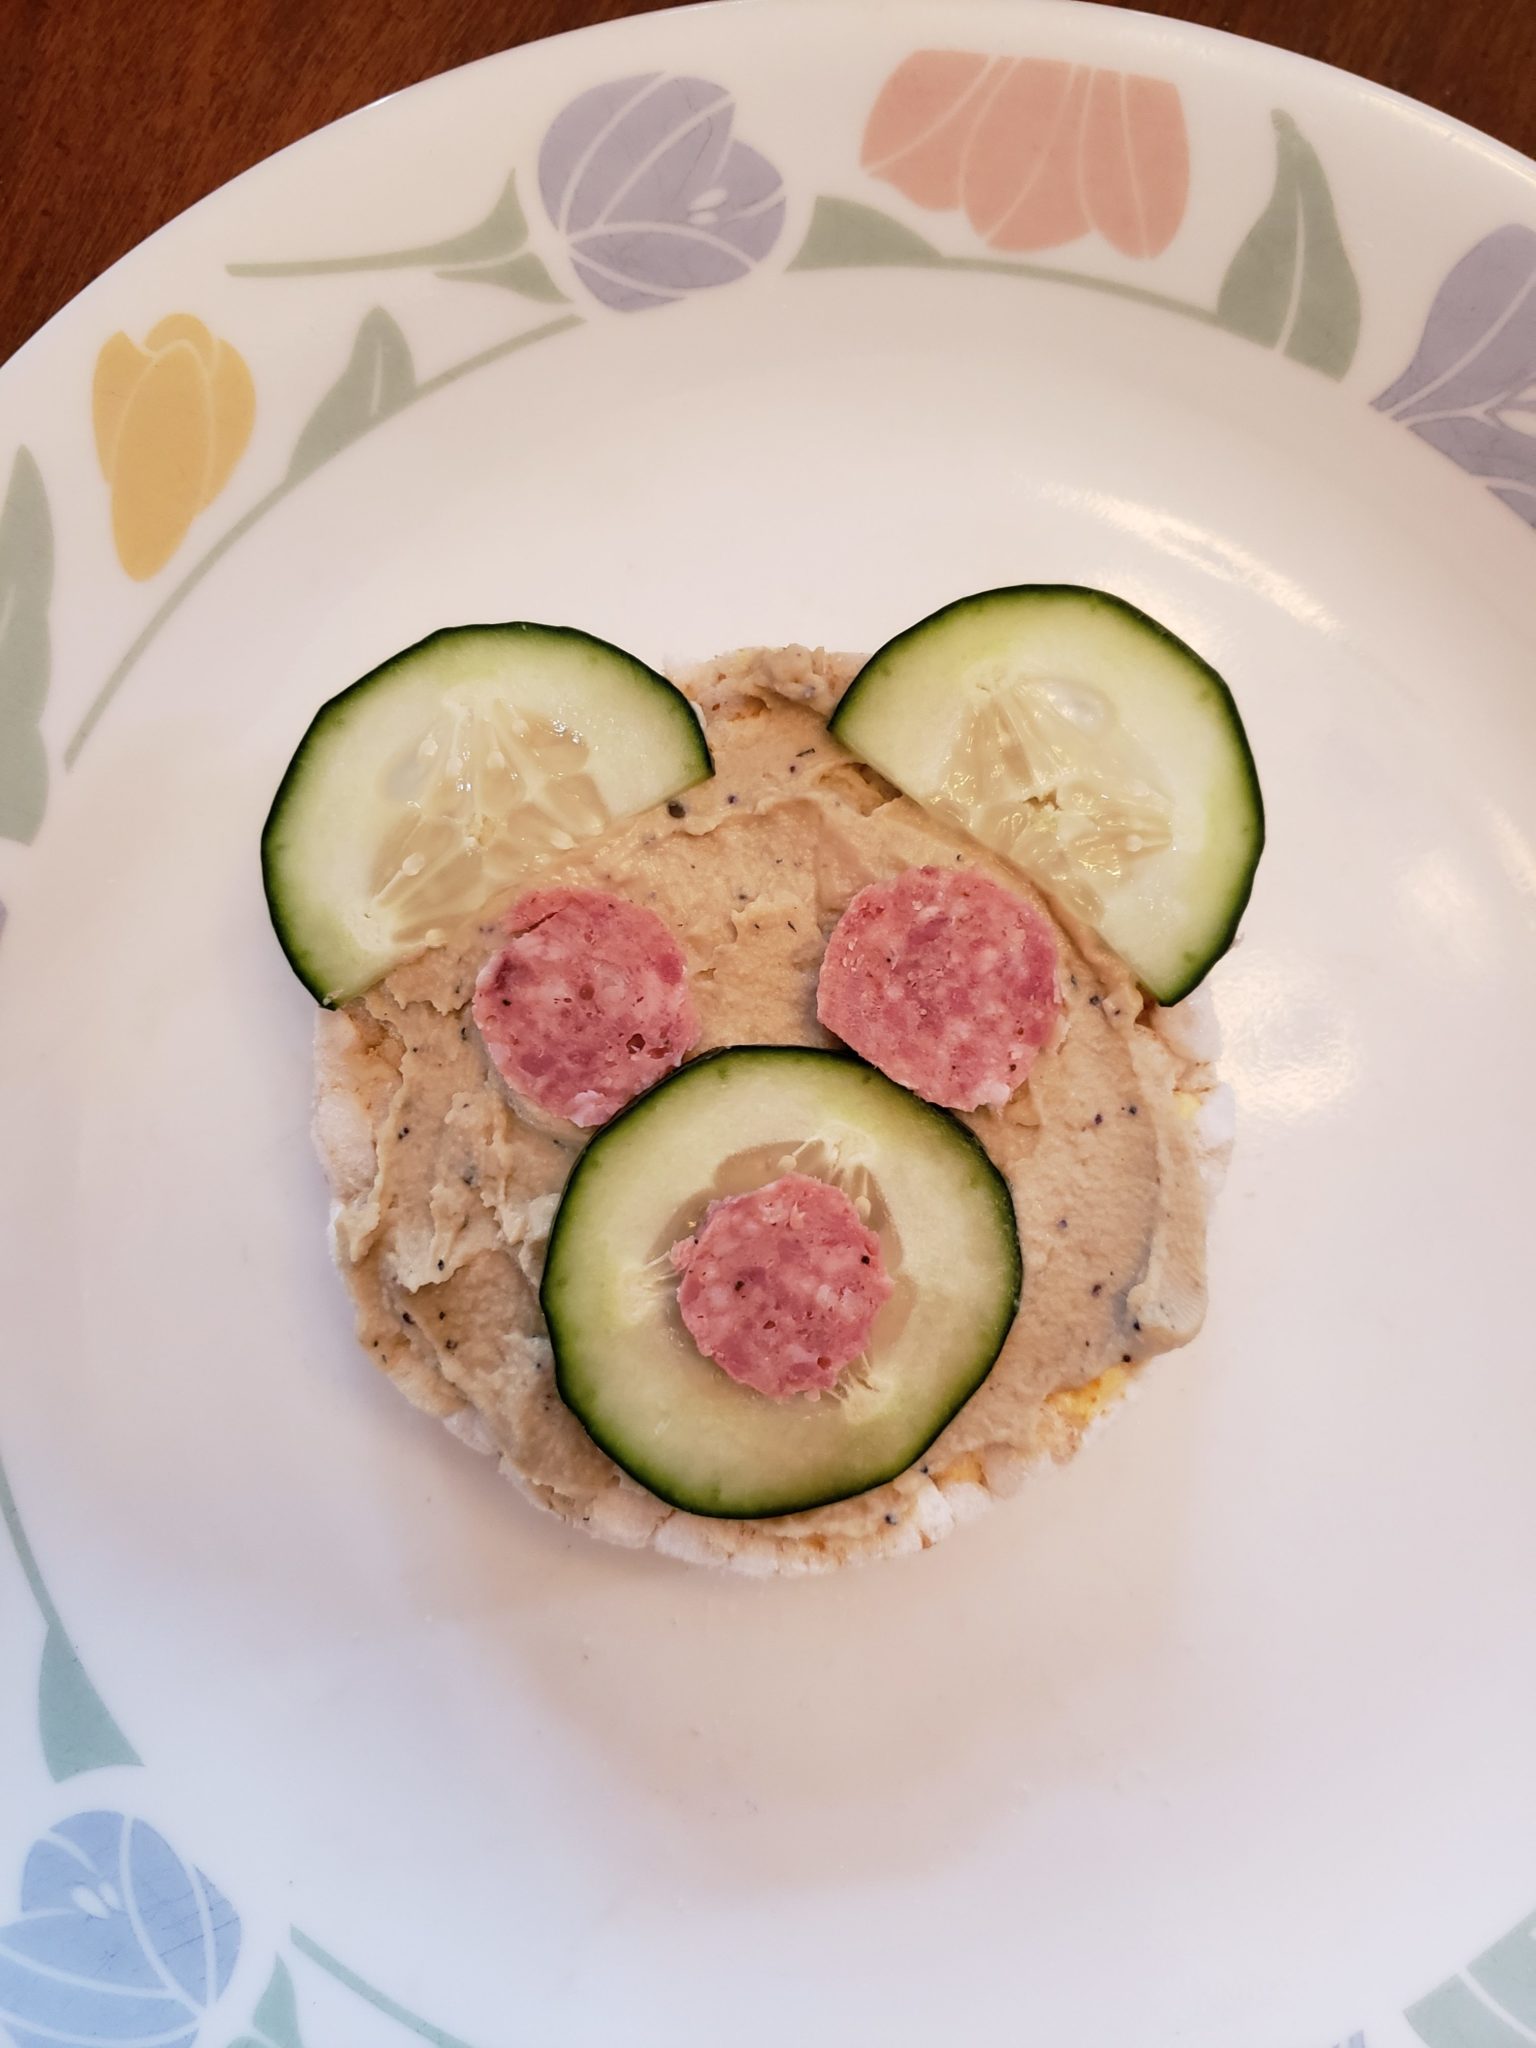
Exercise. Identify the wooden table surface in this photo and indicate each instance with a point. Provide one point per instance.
(97, 150)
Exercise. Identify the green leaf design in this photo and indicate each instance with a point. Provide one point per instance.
(1453, 2016)
(76, 1731)
(525, 274)
(275, 2022)
(1506, 1973)
(78, 1734)
(844, 235)
(502, 233)
(1290, 286)
(26, 586)
(379, 378)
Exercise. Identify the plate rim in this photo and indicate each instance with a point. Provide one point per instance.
(1175, 30)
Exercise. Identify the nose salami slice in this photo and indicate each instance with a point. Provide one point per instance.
(945, 981)
(586, 1005)
(781, 1287)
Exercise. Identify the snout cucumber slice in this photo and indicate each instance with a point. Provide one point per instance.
(625, 1363)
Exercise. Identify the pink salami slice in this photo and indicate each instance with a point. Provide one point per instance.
(781, 1287)
(945, 981)
(586, 1005)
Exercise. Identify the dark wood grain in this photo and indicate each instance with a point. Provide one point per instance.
(97, 148)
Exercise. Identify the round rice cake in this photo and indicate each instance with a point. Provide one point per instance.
(444, 1194)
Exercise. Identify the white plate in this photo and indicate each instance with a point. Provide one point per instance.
(1222, 1735)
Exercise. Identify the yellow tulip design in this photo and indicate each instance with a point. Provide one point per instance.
(172, 419)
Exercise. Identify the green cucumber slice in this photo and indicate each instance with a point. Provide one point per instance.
(1065, 729)
(446, 775)
(736, 1119)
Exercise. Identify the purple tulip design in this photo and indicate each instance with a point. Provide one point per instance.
(1470, 390)
(119, 1943)
(653, 196)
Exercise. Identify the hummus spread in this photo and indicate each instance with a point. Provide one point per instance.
(444, 1195)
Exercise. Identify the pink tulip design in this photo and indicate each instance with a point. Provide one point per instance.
(1037, 153)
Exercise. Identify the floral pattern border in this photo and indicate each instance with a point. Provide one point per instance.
(654, 198)
(116, 1938)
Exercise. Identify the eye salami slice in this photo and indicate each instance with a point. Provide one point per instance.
(586, 1005)
(945, 981)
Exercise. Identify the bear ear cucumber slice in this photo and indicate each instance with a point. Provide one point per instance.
(1066, 730)
(445, 776)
